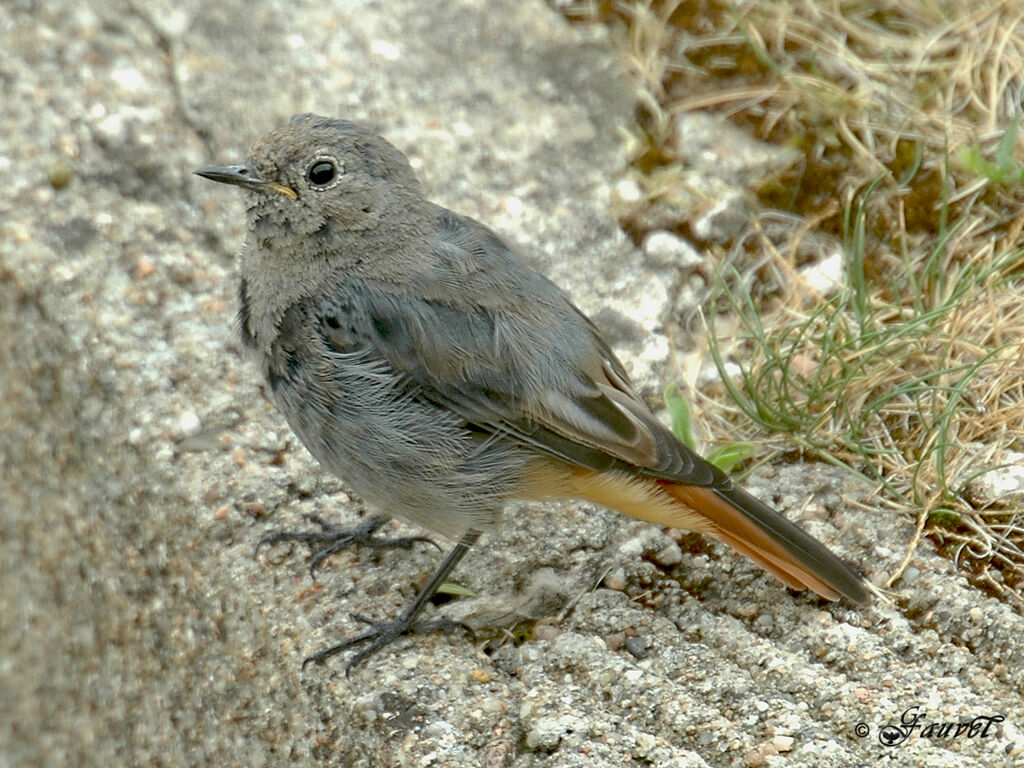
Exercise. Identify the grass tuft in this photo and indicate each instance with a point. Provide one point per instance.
(904, 119)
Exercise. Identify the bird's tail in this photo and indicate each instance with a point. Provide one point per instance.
(723, 511)
(750, 526)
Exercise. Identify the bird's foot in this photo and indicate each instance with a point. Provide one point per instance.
(333, 538)
(380, 635)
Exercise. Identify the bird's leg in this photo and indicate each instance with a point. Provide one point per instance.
(383, 633)
(333, 538)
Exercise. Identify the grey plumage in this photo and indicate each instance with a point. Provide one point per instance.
(420, 360)
(389, 348)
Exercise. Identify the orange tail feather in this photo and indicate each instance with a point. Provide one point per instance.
(770, 540)
(727, 513)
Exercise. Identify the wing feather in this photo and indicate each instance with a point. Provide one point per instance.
(509, 353)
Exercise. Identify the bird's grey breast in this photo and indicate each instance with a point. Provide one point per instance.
(369, 424)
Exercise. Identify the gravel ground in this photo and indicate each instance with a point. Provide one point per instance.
(142, 462)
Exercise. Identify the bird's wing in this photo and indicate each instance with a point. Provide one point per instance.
(503, 347)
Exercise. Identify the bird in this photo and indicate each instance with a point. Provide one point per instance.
(419, 359)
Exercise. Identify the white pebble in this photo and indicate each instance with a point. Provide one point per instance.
(825, 276)
(628, 191)
(128, 78)
(385, 50)
(189, 424)
(513, 206)
(665, 249)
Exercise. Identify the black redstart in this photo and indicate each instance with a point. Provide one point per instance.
(422, 362)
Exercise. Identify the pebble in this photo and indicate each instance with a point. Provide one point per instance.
(723, 221)
(189, 424)
(667, 250)
(628, 191)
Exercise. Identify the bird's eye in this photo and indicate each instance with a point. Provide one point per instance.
(322, 172)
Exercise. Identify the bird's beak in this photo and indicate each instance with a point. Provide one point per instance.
(243, 176)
